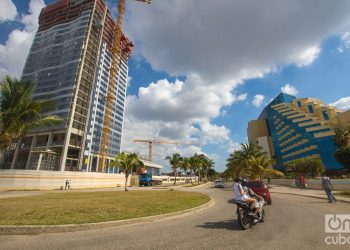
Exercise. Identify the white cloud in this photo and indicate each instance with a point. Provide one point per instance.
(307, 56)
(8, 11)
(233, 38)
(242, 97)
(194, 100)
(345, 39)
(217, 47)
(342, 103)
(258, 100)
(233, 146)
(15, 51)
(289, 89)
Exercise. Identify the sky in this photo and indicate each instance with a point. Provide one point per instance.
(202, 69)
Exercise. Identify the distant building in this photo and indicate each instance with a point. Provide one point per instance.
(70, 62)
(290, 128)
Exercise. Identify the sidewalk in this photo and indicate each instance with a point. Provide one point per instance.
(319, 194)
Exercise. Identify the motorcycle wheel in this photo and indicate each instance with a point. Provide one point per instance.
(243, 220)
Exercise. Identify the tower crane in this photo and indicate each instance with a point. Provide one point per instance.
(116, 55)
(152, 141)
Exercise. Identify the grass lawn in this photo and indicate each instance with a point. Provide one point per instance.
(88, 207)
(344, 193)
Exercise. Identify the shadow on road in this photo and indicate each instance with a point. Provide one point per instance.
(227, 224)
(231, 201)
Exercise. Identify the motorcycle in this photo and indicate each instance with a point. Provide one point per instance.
(245, 217)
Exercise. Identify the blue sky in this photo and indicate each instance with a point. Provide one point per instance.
(196, 69)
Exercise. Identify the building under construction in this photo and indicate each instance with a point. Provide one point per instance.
(70, 60)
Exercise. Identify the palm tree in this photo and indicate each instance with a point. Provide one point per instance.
(341, 138)
(196, 162)
(252, 149)
(185, 166)
(206, 165)
(19, 112)
(238, 161)
(128, 162)
(193, 165)
(175, 161)
(261, 167)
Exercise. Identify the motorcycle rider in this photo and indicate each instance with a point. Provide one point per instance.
(241, 195)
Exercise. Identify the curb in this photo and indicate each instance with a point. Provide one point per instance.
(26, 230)
(312, 196)
(201, 185)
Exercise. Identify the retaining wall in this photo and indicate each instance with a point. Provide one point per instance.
(48, 180)
(12, 179)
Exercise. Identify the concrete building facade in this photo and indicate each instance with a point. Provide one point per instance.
(70, 60)
(291, 128)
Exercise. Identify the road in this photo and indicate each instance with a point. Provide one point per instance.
(292, 222)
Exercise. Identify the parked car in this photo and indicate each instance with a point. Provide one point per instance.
(219, 184)
(260, 188)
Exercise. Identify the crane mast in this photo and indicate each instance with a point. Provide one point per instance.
(116, 59)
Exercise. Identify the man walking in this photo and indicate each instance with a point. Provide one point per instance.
(328, 187)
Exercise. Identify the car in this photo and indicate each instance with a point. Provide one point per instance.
(260, 188)
(219, 184)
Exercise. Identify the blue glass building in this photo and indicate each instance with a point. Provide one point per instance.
(289, 128)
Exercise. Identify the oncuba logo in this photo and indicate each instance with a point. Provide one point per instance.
(337, 223)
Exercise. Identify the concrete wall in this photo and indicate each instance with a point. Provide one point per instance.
(32, 179)
(338, 184)
(11, 179)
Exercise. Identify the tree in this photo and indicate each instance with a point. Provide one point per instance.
(128, 162)
(237, 163)
(19, 112)
(206, 164)
(194, 164)
(261, 167)
(305, 166)
(342, 155)
(185, 166)
(175, 161)
(341, 138)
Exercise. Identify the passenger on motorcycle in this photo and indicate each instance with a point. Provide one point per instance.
(241, 195)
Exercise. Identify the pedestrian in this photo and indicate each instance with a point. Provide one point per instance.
(66, 186)
(302, 182)
(69, 184)
(328, 187)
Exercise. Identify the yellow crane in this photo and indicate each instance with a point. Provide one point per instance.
(152, 141)
(116, 54)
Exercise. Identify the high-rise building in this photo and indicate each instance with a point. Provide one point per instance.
(70, 62)
(289, 128)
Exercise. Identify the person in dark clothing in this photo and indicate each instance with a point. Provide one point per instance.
(328, 187)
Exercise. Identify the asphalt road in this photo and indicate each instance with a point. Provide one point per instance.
(292, 222)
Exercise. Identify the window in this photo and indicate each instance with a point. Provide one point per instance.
(325, 115)
(310, 108)
(299, 104)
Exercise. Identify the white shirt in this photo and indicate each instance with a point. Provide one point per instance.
(237, 192)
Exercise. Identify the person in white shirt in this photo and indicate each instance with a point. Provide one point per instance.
(240, 194)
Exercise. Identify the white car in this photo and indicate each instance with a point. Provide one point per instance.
(219, 184)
